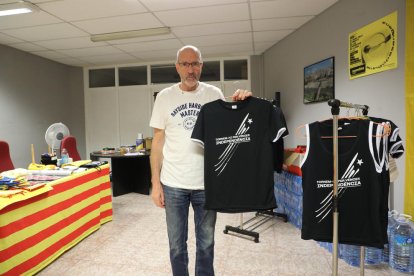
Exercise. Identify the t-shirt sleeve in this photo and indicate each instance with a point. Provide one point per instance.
(278, 122)
(158, 114)
(395, 144)
(198, 131)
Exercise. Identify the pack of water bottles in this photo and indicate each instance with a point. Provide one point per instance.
(351, 254)
(288, 193)
(398, 253)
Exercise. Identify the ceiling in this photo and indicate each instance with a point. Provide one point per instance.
(61, 30)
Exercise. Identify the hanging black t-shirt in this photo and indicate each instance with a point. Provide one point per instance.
(360, 186)
(238, 156)
(385, 146)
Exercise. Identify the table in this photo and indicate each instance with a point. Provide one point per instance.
(130, 173)
(36, 231)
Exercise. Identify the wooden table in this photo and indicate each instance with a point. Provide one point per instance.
(37, 230)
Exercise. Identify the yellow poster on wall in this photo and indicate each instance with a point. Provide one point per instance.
(373, 48)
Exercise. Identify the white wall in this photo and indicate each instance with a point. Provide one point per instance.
(34, 93)
(114, 115)
(325, 36)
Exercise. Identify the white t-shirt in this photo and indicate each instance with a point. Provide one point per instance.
(176, 113)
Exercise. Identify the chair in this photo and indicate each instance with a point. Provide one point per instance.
(5, 159)
(69, 143)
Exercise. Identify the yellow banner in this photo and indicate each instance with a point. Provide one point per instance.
(373, 48)
(409, 108)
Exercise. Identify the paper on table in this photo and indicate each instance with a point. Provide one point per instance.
(133, 153)
(52, 172)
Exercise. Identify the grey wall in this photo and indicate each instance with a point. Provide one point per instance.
(256, 77)
(325, 36)
(34, 93)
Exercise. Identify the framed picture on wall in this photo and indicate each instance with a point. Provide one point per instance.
(319, 81)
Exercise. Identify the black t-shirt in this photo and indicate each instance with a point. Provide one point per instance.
(361, 185)
(238, 155)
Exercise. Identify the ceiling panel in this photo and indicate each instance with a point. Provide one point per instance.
(50, 54)
(71, 11)
(73, 61)
(215, 40)
(70, 43)
(214, 28)
(141, 39)
(46, 32)
(167, 55)
(161, 5)
(108, 59)
(28, 47)
(92, 51)
(119, 23)
(271, 35)
(27, 20)
(211, 14)
(280, 23)
(287, 8)
(6, 39)
(145, 46)
(61, 29)
(238, 49)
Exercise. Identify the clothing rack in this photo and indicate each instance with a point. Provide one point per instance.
(247, 228)
(335, 104)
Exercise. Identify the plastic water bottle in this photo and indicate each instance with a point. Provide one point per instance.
(392, 216)
(402, 245)
(64, 157)
(139, 142)
(351, 254)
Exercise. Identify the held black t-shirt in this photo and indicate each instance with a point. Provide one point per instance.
(238, 156)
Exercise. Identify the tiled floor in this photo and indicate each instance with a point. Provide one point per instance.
(135, 243)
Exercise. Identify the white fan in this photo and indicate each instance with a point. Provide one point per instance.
(54, 135)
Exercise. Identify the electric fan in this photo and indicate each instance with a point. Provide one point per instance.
(54, 135)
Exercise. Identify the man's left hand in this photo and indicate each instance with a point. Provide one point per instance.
(241, 94)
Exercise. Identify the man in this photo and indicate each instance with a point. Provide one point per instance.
(177, 163)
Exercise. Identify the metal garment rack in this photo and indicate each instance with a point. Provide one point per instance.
(247, 228)
(335, 104)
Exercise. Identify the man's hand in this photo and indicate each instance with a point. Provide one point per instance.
(241, 94)
(157, 195)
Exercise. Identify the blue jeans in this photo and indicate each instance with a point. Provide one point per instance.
(177, 202)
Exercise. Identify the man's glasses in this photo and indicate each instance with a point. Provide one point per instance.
(194, 64)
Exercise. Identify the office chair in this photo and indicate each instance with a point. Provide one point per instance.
(5, 159)
(69, 143)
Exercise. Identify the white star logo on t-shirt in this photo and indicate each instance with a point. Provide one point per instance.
(360, 162)
(250, 121)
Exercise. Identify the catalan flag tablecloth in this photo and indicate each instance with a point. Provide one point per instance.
(36, 231)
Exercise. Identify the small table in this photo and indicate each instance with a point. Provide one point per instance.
(130, 173)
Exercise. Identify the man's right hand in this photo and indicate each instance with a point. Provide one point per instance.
(157, 195)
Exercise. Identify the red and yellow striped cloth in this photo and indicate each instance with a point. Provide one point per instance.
(36, 231)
